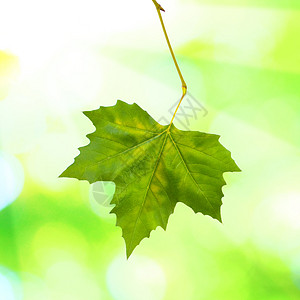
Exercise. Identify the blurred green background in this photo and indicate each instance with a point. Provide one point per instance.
(241, 61)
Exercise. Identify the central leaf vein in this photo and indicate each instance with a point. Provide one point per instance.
(147, 189)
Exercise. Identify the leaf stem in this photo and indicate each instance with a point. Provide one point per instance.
(183, 84)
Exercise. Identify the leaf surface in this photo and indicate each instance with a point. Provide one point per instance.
(153, 166)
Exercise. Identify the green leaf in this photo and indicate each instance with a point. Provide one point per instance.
(153, 167)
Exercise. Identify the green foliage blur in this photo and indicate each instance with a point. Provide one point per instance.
(241, 62)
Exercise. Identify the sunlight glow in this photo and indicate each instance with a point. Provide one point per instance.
(138, 278)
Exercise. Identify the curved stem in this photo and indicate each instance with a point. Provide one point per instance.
(183, 84)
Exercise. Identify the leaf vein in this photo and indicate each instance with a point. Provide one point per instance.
(188, 171)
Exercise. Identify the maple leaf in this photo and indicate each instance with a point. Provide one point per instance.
(153, 166)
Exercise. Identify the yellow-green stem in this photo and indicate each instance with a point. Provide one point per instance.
(183, 84)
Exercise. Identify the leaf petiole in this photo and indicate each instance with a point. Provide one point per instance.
(183, 84)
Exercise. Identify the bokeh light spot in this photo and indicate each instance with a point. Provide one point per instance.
(11, 179)
(101, 194)
(9, 70)
(69, 280)
(56, 241)
(9, 285)
(34, 288)
(138, 278)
